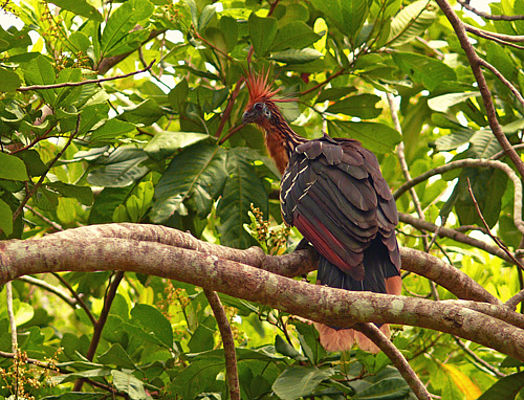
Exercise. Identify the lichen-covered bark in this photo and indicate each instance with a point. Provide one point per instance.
(322, 304)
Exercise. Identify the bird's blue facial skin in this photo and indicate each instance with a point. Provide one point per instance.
(257, 114)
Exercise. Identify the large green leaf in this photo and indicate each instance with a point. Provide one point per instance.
(296, 382)
(116, 355)
(262, 32)
(129, 384)
(347, 16)
(296, 56)
(485, 144)
(122, 21)
(412, 21)
(198, 377)
(9, 80)
(362, 106)
(295, 35)
(242, 188)
(152, 320)
(196, 175)
(378, 138)
(121, 168)
(166, 143)
(12, 168)
(505, 388)
(425, 70)
(386, 389)
(110, 130)
(443, 102)
(6, 218)
(80, 7)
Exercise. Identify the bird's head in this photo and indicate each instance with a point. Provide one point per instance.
(261, 108)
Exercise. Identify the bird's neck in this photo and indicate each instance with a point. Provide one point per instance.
(281, 140)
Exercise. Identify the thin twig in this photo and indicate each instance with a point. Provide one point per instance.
(475, 63)
(231, 132)
(396, 357)
(78, 299)
(495, 37)
(11, 316)
(497, 241)
(49, 166)
(501, 154)
(50, 288)
(228, 343)
(324, 82)
(482, 14)
(86, 82)
(229, 107)
(503, 79)
(477, 163)
(479, 360)
(53, 224)
(100, 323)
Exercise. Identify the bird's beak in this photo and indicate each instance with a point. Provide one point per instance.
(248, 117)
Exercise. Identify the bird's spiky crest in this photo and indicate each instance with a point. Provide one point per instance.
(260, 89)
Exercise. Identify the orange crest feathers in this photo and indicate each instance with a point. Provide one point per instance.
(259, 88)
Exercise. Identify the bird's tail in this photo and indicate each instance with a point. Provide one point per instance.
(381, 276)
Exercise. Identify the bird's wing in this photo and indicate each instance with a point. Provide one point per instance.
(334, 193)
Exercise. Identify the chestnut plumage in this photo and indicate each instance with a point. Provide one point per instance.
(332, 190)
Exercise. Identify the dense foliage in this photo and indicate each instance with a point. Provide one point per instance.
(167, 146)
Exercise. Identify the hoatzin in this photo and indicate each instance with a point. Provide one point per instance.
(333, 192)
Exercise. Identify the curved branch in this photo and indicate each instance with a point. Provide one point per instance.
(478, 163)
(475, 63)
(50, 288)
(482, 14)
(453, 234)
(322, 304)
(294, 264)
(396, 357)
(227, 342)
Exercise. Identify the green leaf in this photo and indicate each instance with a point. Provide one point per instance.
(39, 71)
(166, 143)
(9, 80)
(90, 373)
(208, 12)
(347, 16)
(106, 202)
(425, 70)
(378, 138)
(33, 162)
(198, 377)
(197, 174)
(295, 35)
(12, 168)
(6, 218)
(229, 28)
(116, 355)
(505, 388)
(122, 21)
(78, 396)
(152, 320)
(121, 168)
(79, 7)
(362, 106)
(83, 194)
(296, 382)
(145, 113)
(286, 349)
(203, 336)
(452, 141)
(386, 389)
(13, 38)
(262, 32)
(412, 21)
(295, 56)
(127, 383)
(242, 188)
(484, 144)
(443, 102)
(107, 133)
(178, 95)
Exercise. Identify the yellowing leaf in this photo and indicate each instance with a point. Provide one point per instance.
(463, 383)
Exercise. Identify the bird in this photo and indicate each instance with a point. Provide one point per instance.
(333, 192)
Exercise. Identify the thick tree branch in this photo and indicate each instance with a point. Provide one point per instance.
(334, 306)
(294, 264)
(396, 357)
(475, 63)
(228, 343)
